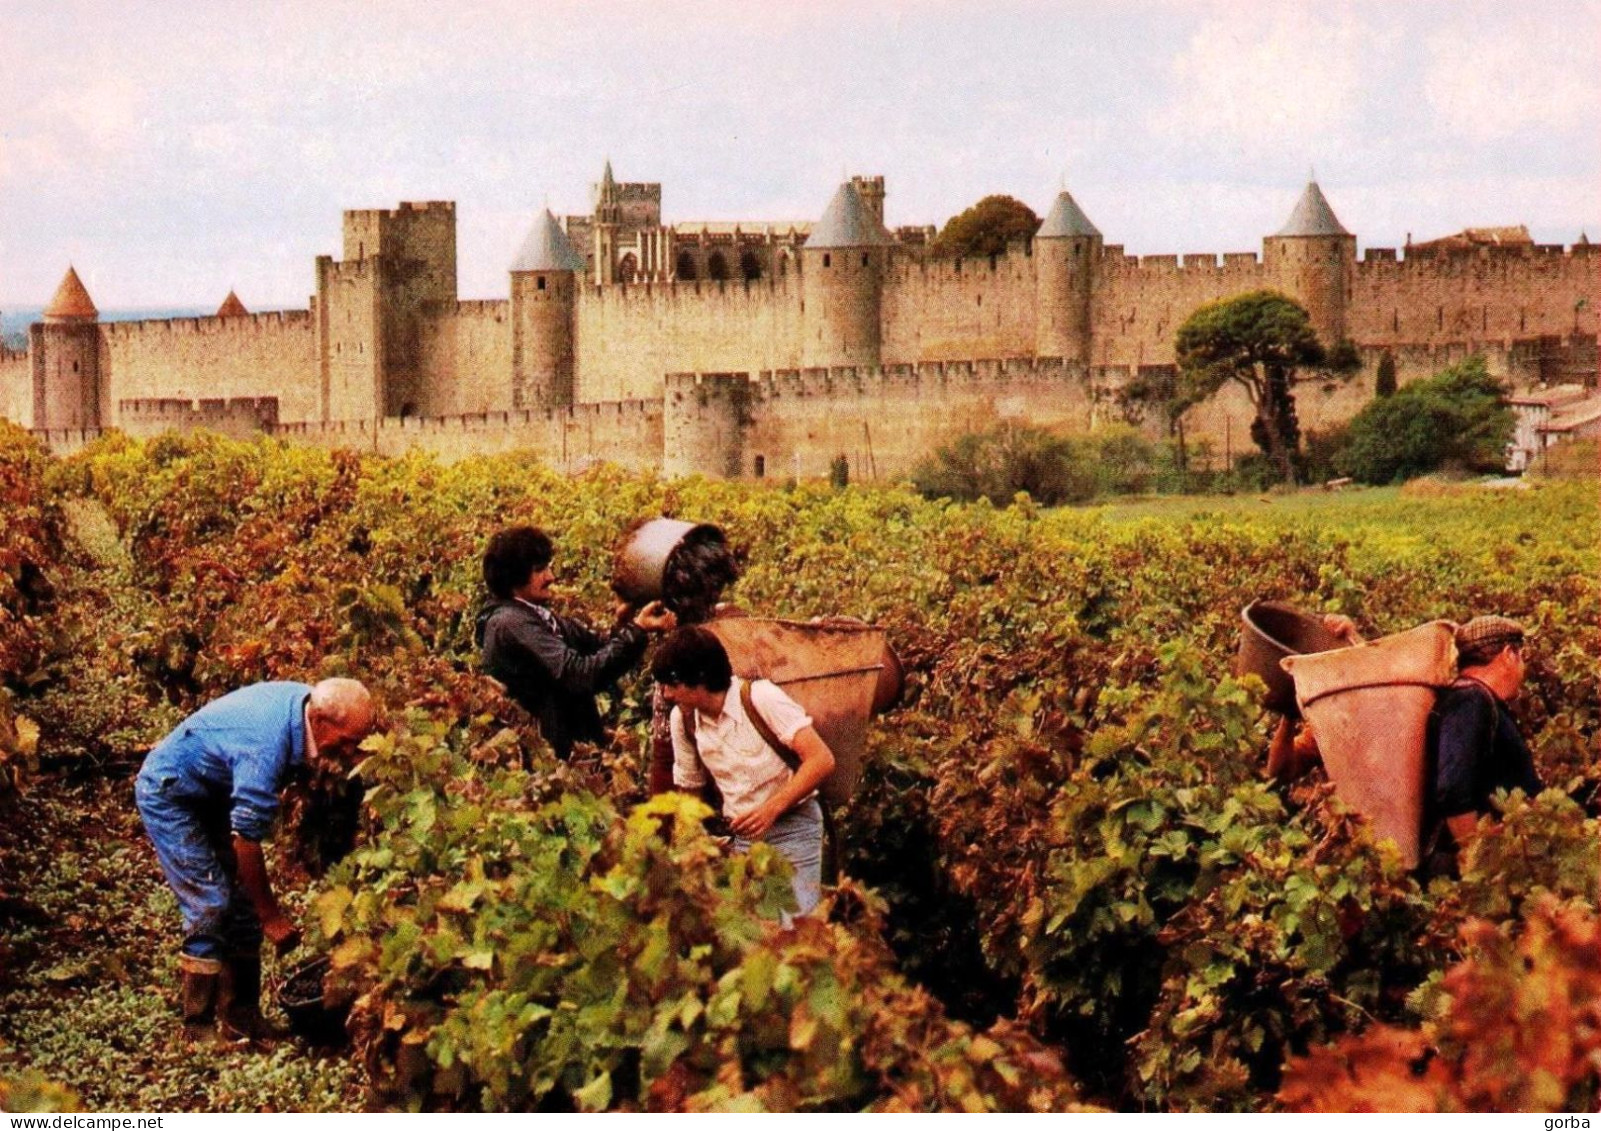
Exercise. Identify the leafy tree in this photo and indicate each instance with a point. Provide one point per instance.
(1384, 379)
(1457, 417)
(986, 228)
(1263, 342)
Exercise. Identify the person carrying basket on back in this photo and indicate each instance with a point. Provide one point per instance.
(756, 744)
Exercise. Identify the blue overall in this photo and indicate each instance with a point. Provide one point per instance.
(216, 775)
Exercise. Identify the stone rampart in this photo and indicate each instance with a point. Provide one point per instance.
(16, 386)
(66, 441)
(467, 353)
(945, 309)
(1140, 302)
(883, 420)
(630, 335)
(239, 417)
(188, 358)
(1484, 294)
(627, 433)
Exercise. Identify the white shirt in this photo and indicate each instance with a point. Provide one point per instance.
(747, 771)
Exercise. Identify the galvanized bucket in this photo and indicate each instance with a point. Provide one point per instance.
(832, 669)
(641, 561)
(1368, 706)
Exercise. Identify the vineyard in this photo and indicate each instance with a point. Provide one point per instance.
(1066, 881)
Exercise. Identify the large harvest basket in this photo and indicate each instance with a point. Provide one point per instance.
(1368, 706)
(831, 669)
(1271, 630)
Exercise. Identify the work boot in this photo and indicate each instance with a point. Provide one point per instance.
(198, 1000)
(239, 1015)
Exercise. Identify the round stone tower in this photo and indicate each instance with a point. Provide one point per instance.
(544, 317)
(1067, 249)
(67, 389)
(843, 264)
(1312, 260)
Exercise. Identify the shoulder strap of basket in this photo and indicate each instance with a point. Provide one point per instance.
(791, 759)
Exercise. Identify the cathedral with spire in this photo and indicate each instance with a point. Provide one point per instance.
(731, 347)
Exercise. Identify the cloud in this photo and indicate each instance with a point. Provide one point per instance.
(1262, 83)
(1515, 72)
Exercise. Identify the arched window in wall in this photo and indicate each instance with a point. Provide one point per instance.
(716, 266)
(628, 269)
(749, 266)
(686, 267)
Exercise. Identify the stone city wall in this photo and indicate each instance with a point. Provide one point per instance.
(1490, 294)
(1139, 302)
(467, 355)
(238, 417)
(16, 386)
(630, 335)
(188, 358)
(946, 310)
(569, 439)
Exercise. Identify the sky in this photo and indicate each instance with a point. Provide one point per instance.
(173, 151)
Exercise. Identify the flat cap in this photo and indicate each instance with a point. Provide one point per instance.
(1481, 638)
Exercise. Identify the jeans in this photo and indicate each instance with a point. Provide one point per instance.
(195, 848)
(798, 834)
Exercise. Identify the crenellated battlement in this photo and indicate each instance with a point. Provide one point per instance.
(231, 416)
(935, 376)
(470, 422)
(1504, 262)
(1017, 262)
(1424, 253)
(679, 292)
(266, 322)
(498, 309)
(351, 270)
(408, 209)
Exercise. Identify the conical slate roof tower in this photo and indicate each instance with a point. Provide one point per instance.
(1313, 216)
(547, 248)
(1066, 219)
(848, 222)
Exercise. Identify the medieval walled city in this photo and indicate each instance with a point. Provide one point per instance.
(765, 349)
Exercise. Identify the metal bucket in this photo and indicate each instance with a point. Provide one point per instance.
(1270, 631)
(832, 669)
(1368, 706)
(641, 561)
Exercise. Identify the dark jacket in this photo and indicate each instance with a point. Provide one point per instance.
(553, 666)
(1474, 749)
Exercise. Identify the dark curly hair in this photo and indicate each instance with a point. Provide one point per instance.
(512, 557)
(693, 657)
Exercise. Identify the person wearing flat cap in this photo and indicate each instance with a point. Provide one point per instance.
(1476, 746)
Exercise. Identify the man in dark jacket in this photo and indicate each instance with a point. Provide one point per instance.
(552, 665)
(1476, 748)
